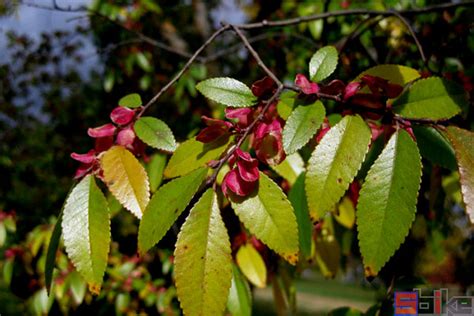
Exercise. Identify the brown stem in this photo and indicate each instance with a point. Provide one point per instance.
(255, 55)
(183, 70)
(325, 15)
(412, 33)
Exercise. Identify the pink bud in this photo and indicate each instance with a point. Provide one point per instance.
(122, 115)
(268, 143)
(126, 137)
(263, 86)
(102, 131)
(335, 87)
(351, 89)
(243, 115)
(211, 133)
(306, 86)
(87, 158)
(233, 182)
(209, 121)
(103, 143)
(247, 166)
(393, 90)
(376, 130)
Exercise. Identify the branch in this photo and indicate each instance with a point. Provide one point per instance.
(325, 15)
(55, 7)
(256, 56)
(183, 70)
(412, 32)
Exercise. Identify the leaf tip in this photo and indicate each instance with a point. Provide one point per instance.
(94, 288)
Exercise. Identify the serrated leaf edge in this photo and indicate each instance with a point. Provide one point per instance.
(369, 272)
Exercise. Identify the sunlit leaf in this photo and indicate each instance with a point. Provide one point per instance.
(268, 215)
(290, 168)
(227, 91)
(432, 98)
(302, 124)
(165, 207)
(155, 133)
(463, 143)
(345, 213)
(131, 101)
(126, 179)
(155, 169)
(252, 265)
(387, 201)
(323, 63)
(51, 253)
(203, 262)
(334, 164)
(86, 231)
(397, 74)
(193, 154)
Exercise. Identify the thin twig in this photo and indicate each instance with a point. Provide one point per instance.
(359, 30)
(325, 15)
(413, 34)
(183, 70)
(256, 56)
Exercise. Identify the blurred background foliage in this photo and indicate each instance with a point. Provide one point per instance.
(53, 89)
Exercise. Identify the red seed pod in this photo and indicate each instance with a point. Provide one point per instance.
(102, 131)
(122, 115)
(306, 86)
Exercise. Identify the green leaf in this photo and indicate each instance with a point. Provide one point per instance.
(51, 253)
(155, 133)
(297, 198)
(131, 101)
(270, 217)
(227, 91)
(397, 74)
(165, 207)
(387, 201)
(203, 261)
(463, 143)
(155, 170)
(302, 124)
(126, 179)
(77, 286)
(432, 98)
(286, 103)
(239, 302)
(434, 147)
(86, 231)
(323, 63)
(193, 154)
(290, 168)
(252, 265)
(53, 247)
(334, 164)
(3, 234)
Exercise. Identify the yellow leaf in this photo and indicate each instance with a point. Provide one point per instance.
(252, 265)
(126, 179)
(346, 214)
